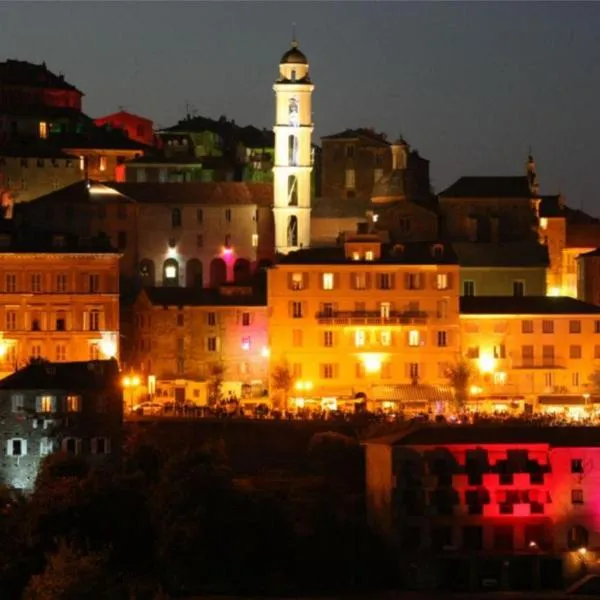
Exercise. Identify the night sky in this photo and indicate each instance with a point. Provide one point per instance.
(470, 85)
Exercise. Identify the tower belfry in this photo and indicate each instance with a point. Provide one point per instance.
(293, 152)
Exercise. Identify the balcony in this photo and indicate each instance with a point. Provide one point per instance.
(371, 317)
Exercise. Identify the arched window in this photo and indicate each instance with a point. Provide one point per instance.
(292, 190)
(193, 273)
(242, 271)
(147, 272)
(292, 150)
(176, 217)
(171, 272)
(577, 537)
(218, 272)
(292, 231)
(293, 112)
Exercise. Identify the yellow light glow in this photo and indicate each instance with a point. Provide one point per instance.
(308, 385)
(500, 407)
(300, 402)
(108, 345)
(372, 364)
(355, 256)
(487, 363)
(553, 292)
(3, 349)
(126, 381)
(265, 352)
(474, 390)
(500, 378)
(582, 551)
(135, 381)
(131, 381)
(544, 223)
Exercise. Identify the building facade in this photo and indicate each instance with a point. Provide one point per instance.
(366, 320)
(60, 298)
(135, 127)
(480, 507)
(540, 351)
(73, 407)
(184, 335)
(293, 152)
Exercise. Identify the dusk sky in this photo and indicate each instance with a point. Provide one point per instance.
(470, 85)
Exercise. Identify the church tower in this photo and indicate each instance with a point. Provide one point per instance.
(293, 152)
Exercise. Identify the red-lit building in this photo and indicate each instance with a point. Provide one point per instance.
(136, 128)
(482, 506)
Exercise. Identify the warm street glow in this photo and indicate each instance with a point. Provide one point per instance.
(108, 345)
(487, 363)
(303, 386)
(131, 381)
(474, 390)
(554, 292)
(265, 352)
(172, 252)
(371, 362)
(582, 551)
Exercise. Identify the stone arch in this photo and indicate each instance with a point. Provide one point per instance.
(577, 537)
(242, 271)
(171, 272)
(292, 231)
(292, 190)
(218, 272)
(193, 273)
(147, 272)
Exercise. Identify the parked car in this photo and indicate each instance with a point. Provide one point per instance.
(148, 408)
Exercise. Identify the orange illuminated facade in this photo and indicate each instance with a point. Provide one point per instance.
(366, 320)
(60, 299)
(529, 350)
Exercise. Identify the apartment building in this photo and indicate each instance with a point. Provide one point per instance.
(495, 506)
(182, 335)
(366, 320)
(539, 351)
(60, 298)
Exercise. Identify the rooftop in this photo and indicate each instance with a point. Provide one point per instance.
(64, 376)
(413, 253)
(23, 73)
(503, 254)
(226, 296)
(511, 434)
(488, 187)
(95, 137)
(31, 240)
(354, 134)
(525, 305)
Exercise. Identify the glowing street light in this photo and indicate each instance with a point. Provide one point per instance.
(131, 383)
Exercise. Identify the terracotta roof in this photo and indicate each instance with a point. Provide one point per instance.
(525, 305)
(122, 114)
(501, 254)
(198, 192)
(493, 433)
(413, 253)
(488, 187)
(23, 73)
(180, 296)
(64, 376)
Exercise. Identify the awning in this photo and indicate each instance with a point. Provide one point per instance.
(567, 400)
(408, 393)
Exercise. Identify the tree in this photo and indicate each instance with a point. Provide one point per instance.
(459, 376)
(215, 382)
(282, 381)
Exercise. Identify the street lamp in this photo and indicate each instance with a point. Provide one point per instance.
(131, 383)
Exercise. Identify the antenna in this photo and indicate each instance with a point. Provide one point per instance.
(294, 41)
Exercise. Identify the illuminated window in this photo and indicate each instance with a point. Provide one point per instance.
(73, 403)
(102, 163)
(46, 446)
(246, 343)
(359, 338)
(386, 338)
(45, 404)
(369, 255)
(442, 309)
(297, 281)
(170, 272)
(350, 179)
(61, 353)
(384, 310)
(255, 240)
(43, 130)
(441, 281)
(82, 163)
(327, 281)
(544, 223)
(414, 337)
(355, 256)
(360, 281)
(94, 320)
(499, 378)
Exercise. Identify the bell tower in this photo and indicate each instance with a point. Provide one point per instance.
(293, 152)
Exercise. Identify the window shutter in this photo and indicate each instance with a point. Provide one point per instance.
(368, 279)
(418, 280)
(290, 281)
(290, 309)
(102, 321)
(434, 281)
(86, 320)
(393, 280)
(407, 280)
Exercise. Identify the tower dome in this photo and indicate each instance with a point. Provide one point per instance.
(294, 56)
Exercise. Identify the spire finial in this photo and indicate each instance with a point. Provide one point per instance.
(294, 41)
